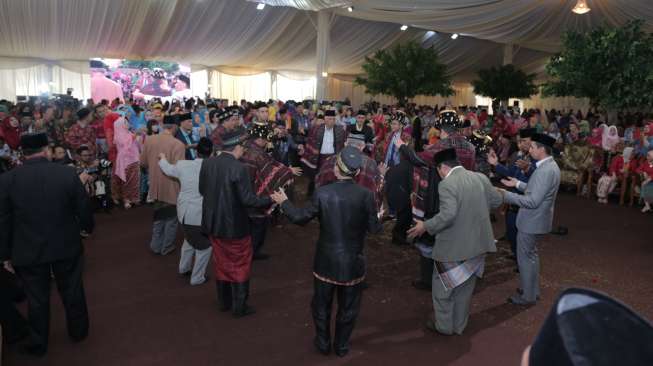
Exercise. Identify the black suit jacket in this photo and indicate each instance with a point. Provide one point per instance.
(347, 212)
(43, 208)
(180, 136)
(227, 191)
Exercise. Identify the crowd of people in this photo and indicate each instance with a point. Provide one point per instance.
(223, 171)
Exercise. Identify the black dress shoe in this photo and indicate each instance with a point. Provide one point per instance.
(430, 325)
(420, 285)
(341, 352)
(518, 300)
(17, 336)
(260, 256)
(323, 350)
(33, 350)
(247, 310)
(186, 273)
(521, 292)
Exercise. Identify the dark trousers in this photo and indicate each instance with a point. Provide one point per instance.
(259, 231)
(349, 303)
(511, 230)
(14, 326)
(425, 270)
(404, 220)
(68, 276)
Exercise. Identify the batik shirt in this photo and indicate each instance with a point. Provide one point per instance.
(78, 136)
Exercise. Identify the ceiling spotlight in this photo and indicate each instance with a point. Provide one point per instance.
(350, 9)
(325, 74)
(454, 36)
(581, 7)
(260, 6)
(404, 27)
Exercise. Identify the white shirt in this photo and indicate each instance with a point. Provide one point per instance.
(537, 165)
(327, 142)
(451, 171)
(189, 201)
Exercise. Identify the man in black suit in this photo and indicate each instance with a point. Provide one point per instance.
(185, 135)
(43, 209)
(347, 213)
(227, 192)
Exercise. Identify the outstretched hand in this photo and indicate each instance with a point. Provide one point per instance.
(8, 267)
(279, 196)
(297, 171)
(383, 168)
(510, 182)
(416, 230)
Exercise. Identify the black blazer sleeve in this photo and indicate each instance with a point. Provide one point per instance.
(5, 218)
(82, 205)
(203, 177)
(373, 224)
(411, 157)
(245, 193)
(301, 216)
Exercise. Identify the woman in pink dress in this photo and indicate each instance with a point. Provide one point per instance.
(126, 174)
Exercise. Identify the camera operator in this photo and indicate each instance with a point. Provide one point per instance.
(95, 175)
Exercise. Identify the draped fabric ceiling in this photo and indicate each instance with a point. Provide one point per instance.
(234, 37)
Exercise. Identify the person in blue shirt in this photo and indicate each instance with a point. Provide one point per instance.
(519, 166)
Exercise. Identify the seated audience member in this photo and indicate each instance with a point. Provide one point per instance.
(646, 171)
(575, 160)
(587, 328)
(615, 173)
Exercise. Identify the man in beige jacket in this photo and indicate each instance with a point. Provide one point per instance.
(163, 189)
(463, 236)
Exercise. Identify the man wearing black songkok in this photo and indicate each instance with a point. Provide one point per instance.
(43, 210)
(347, 212)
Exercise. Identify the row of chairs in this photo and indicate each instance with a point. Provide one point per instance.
(627, 187)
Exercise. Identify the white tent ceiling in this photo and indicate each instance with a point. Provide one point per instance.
(233, 33)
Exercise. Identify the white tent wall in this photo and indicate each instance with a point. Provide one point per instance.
(199, 83)
(26, 76)
(291, 89)
(340, 88)
(236, 87)
(300, 86)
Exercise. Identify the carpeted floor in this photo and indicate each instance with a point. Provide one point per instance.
(144, 313)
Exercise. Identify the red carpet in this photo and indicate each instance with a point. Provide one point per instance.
(143, 313)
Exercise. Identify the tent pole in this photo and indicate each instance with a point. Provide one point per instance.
(322, 53)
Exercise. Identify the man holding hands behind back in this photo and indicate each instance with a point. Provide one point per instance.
(463, 237)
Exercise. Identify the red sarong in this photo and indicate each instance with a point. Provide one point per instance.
(232, 258)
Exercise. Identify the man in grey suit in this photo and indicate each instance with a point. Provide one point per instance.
(463, 236)
(535, 217)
